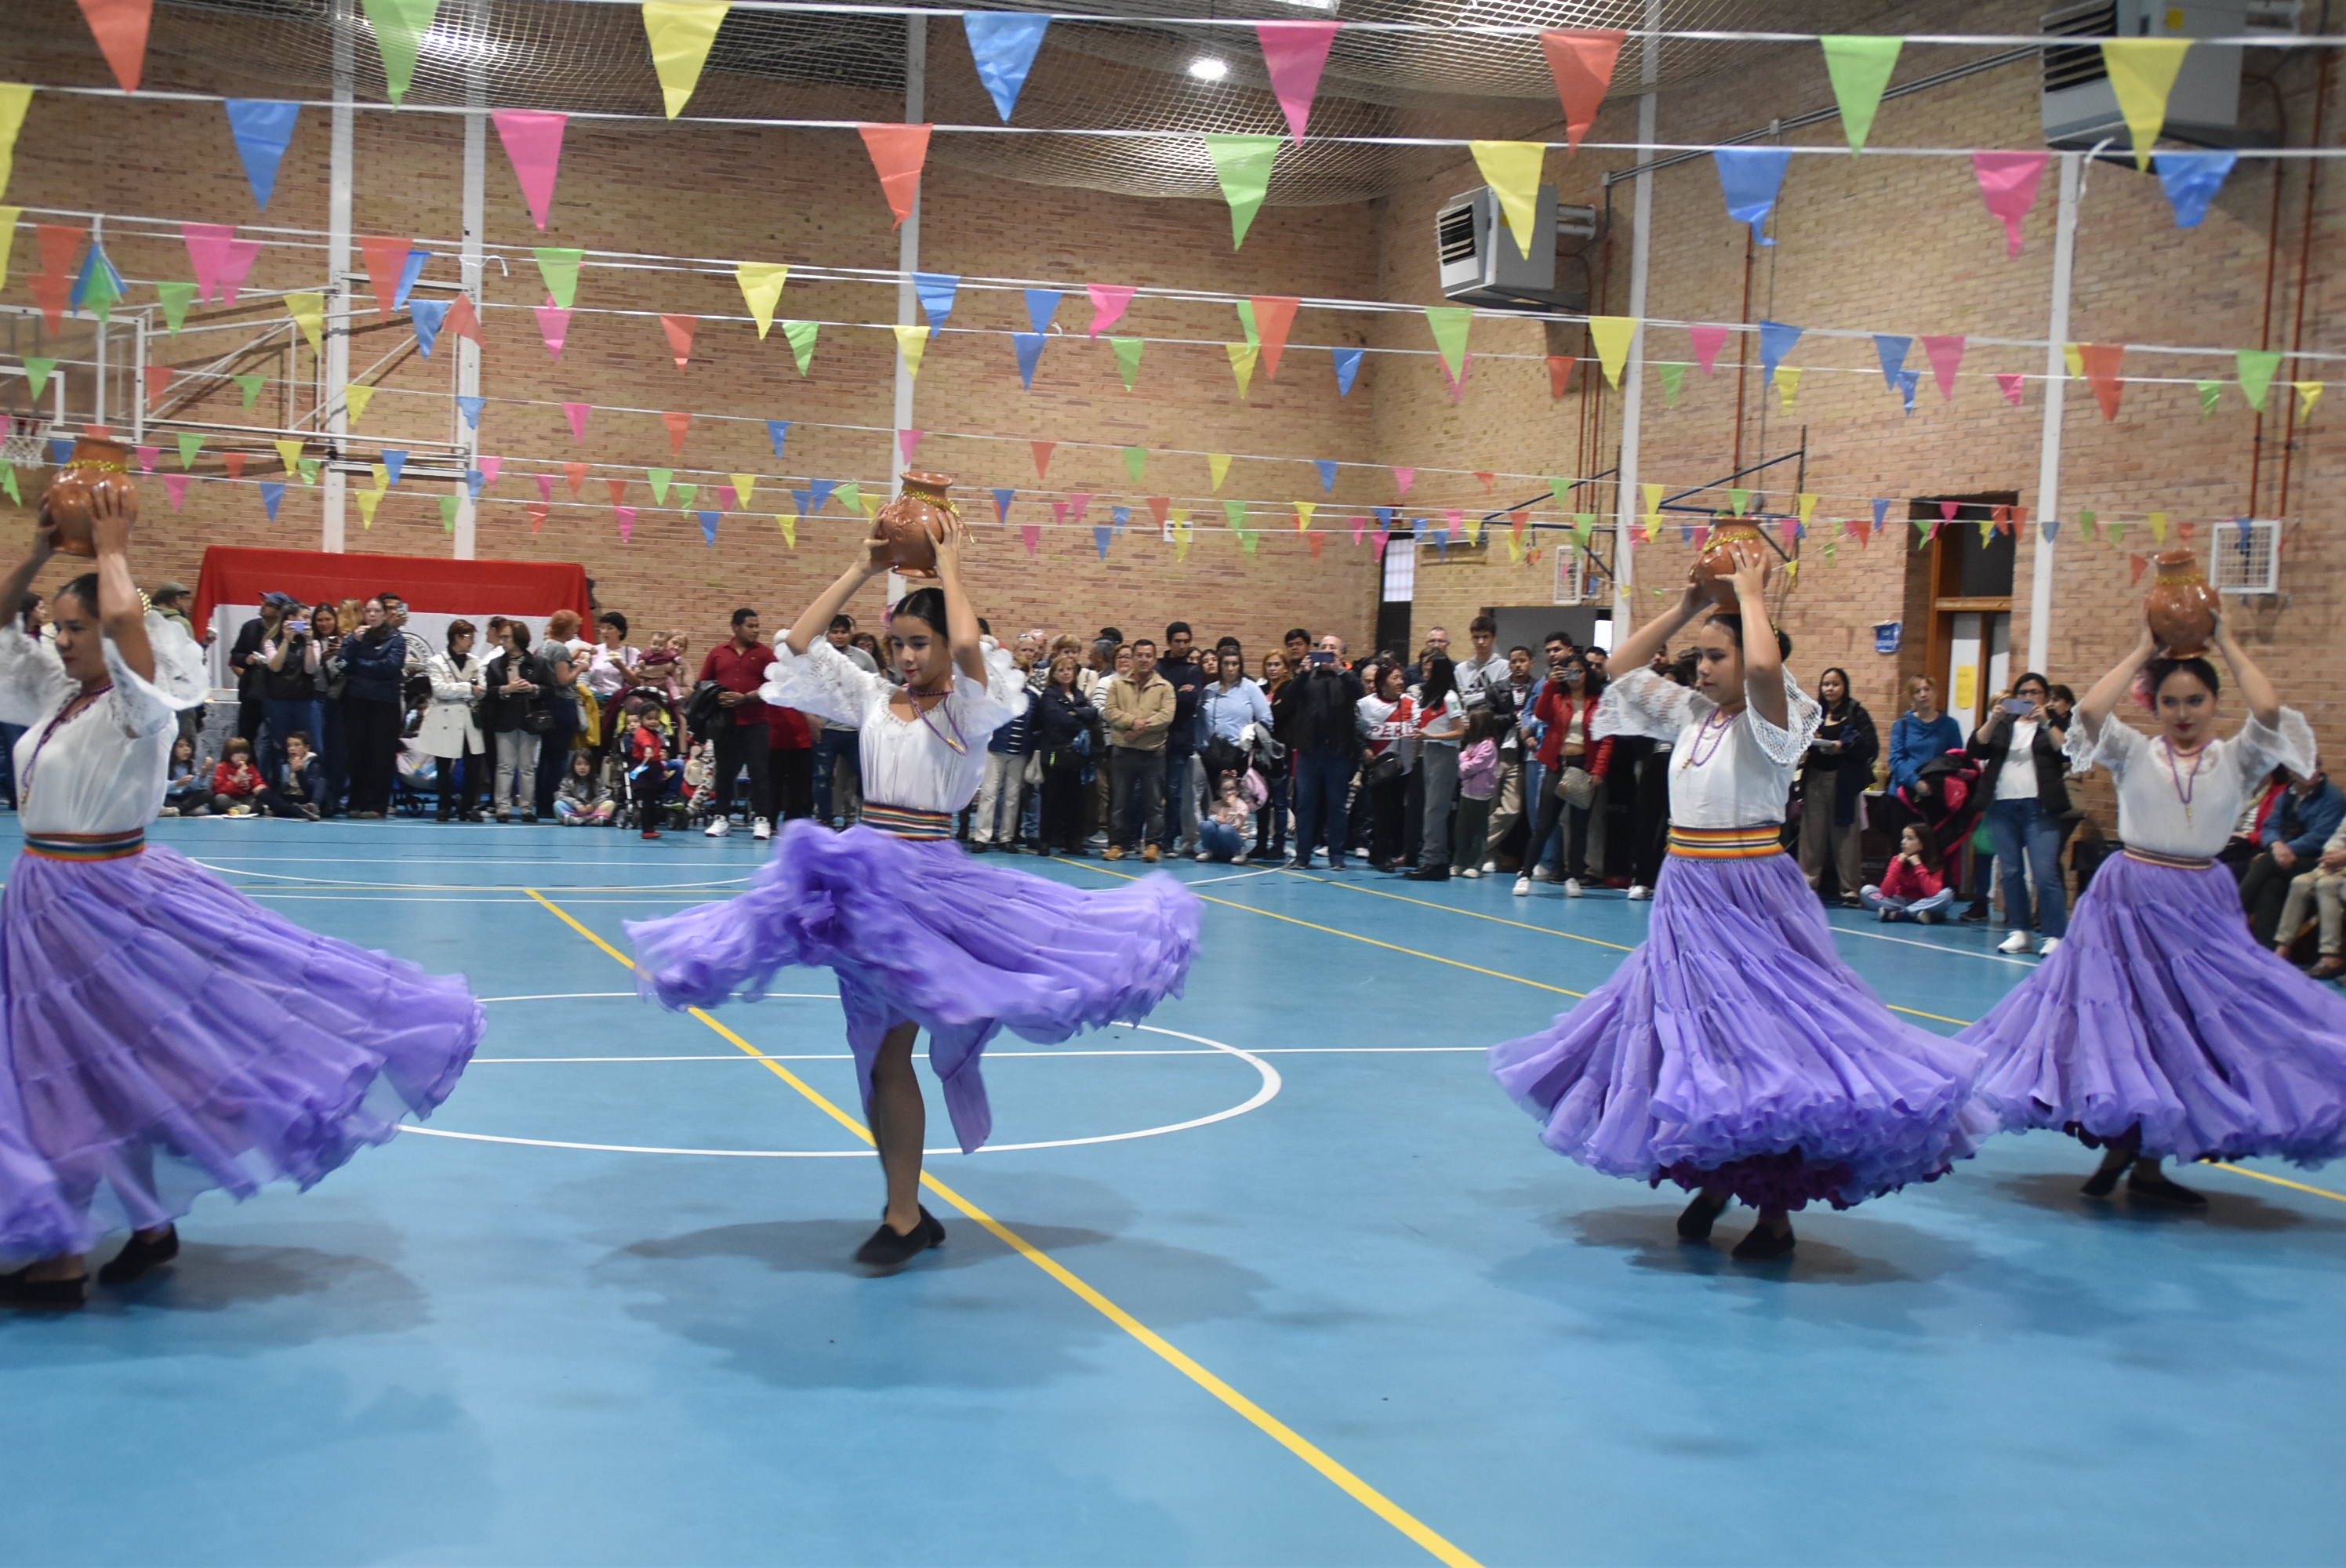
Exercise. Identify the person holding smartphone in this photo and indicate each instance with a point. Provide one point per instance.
(2022, 773)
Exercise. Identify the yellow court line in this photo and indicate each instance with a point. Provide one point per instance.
(1348, 935)
(1286, 1437)
(2282, 1181)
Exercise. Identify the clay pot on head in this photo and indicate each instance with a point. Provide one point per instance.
(1714, 569)
(96, 465)
(915, 521)
(2180, 607)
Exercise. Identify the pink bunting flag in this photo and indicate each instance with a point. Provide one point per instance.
(1458, 381)
(1031, 534)
(2010, 380)
(532, 140)
(1359, 526)
(1059, 513)
(1788, 529)
(627, 517)
(575, 413)
(493, 466)
(1294, 53)
(553, 326)
(1707, 341)
(898, 151)
(679, 330)
(1108, 302)
(545, 486)
(538, 509)
(1947, 511)
(2008, 182)
(908, 442)
(206, 254)
(1402, 479)
(147, 458)
(1080, 503)
(175, 486)
(1380, 536)
(1946, 358)
(235, 266)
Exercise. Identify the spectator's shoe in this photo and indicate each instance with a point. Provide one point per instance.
(719, 827)
(651, 832)
(310, 810)
(1523, 887)
(1469, 872)
(529, 818)
(1114, 852)
(1241, 858)
(169, 811)
(978, 846)
(1490, 868)
(2330, 968)
(1149, 853)
(1975, 915)
(1300, 863)
(1199, 856)
(1930, 917)
(1640, 893)
(504, 817)
(1334, 864)
(1379, 864)
(888, 1250)
(1542, 874)
(139, 1257)
(2018, 941)
(760, 828)
(2049, 946)
(366, 816)
(1572, 889)
(1427, 874)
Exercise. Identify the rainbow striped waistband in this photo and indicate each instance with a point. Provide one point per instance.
(1728, 843)
(85, 846)
(2180, 863)
(908, 822)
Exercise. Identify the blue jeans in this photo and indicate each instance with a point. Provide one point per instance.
(279, 719)
(1219, 840)
(1322, 782)
(2024, 828)
(830, 746)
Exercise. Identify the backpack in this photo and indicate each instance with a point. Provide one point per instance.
(1945, 796)
(702, 713)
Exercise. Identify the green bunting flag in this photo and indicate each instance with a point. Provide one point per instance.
(2256, 368)
(1738, 500)
(399, 28)
(1242, 166)
(1451, 324)
(1673, 374)
(8, 484)
(851, 495)
(1136, 458)
(249, 388)
(1236, 511)
(2208, 392)
(190, 443)
(1248, 324)
(686, 494)
(1860, 69)
(1128, 359)
(447, 514)
(661, 478)
(176, 298)
(558, 267)
(36, 371)
(801, 337)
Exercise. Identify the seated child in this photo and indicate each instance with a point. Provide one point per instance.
(1913, 889)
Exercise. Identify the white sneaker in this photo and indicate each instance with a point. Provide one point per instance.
(1199, 856)
(1571, 887)
(1523, 887)
(760, 828)
(1490, 868)
(1542, 874)
(2049, 946)
(2018, 941)
(719, 827)
(1241, 858)
(1640, 893)
(1472, 872)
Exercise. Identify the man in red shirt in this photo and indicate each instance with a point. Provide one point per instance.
(743, 738)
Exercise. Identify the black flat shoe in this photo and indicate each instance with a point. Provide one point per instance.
(1697, 1219)
(1427, 874)
(888, 1250)
(44, 1294)
(1762, 1245)
(139, 1257)
(2102, 1183)
(2159, 1189)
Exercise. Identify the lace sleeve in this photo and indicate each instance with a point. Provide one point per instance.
(33, 680)
(2115, 746)
(1645, 703)
(981, 709)
(821, 681)
(2289, 744)
(149, 706)
(1786, 744)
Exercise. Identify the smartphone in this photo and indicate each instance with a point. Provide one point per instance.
(2019, 706)
(1323, 657)
(297, 627)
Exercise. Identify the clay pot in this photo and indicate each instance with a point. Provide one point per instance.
(95, 466)
(2180, 607)
(915, 521)
(1714, 569)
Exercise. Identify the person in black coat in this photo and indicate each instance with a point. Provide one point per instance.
(1324, 750)
(1833, 775)
(1064, 721)
(516, 712)
(2022, 778)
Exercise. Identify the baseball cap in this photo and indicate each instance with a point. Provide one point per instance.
(170, 590)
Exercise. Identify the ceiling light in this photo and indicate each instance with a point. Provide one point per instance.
(1206, 69)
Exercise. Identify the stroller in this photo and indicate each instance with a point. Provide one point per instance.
(1947, 800)
(647, 769)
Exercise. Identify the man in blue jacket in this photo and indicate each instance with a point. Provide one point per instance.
(2296, 828)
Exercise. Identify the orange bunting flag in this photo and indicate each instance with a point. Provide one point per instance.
(1274, 315)
(1582, 61)
(463, 320)
(1042, 449)
(2100, 361)
(679, 330)
(677, 423)
(384, 260)
(120, 28)
(898, 151)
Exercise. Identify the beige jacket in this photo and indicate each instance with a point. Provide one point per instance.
(1139, 717)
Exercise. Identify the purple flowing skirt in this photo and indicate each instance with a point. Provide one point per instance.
(2160, 1018)
(917, 932)
(167, 1036)
(1735, 1048)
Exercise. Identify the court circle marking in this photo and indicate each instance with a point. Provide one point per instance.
(1265, 1091)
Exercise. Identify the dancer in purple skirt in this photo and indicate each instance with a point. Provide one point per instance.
(147, 1047)
(920, 934)
(2161, 1028)
(1734, 1054)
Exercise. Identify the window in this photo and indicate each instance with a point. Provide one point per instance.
(1400, 571)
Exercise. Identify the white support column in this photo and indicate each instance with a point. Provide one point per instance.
(2048, 455)
(468, 352)
(333, 384)
(139, 379)
(1633, 391)
(908, 238)
(97, 382)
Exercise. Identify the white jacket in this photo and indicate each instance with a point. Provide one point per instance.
(449, 728)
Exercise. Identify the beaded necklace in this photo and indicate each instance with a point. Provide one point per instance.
(956, 740)
(2185, 788)
(1710, 738)
(71, 710)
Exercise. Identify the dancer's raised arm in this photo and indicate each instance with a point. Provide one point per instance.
(119, 608)
(1639, 649)
(2254, 684)
(960, 620)
(2098, 703)
(1763, 661)
(815, 619)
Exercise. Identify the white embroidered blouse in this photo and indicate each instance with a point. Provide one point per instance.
(2187, 806)
(101, 770)
(931, 763)
(1729, 773)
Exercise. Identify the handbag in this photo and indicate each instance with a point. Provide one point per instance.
(1382, 769)
(1576, 787)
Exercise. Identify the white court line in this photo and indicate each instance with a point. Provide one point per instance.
(518, 896)
(583, 995)
(1264, 1094)
(999, 1056)
(1932, 946)
(346, 879)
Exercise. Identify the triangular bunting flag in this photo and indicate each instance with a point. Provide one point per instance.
(1891, 350)
(2100, 361)
(936, 291)
(2142, 73)
(898, 151)
(1611, 337)
(1109, 301)
(1512, 170)
(553, 325)
(1860, 67)
(1128, 359)
(1451, 324)
(1776, 341)
(1294, 53)
(2191, 181)
(1348, 366)
(557, 267)
(680, 32)
(356, 397)
(532, 144)
(1708, 341)
(399, 28)
(761, 290)
(575, 413)
(801, 336)
(176, 297)
(1136, 458)
(680, 330)
(1042, 451)
(911, 343)
(1217, 468)
(262, 128)
(1750, 179)
(2007, 183)
(2010, 382)
(1242, 169)
(1946, 355)
(662, 479)
(1274, 316)
(1581, 60)
(1028, 347)
(1242, 357)
(1002, 44)
(2255, 368)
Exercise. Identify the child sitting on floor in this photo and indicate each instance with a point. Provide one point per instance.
(1913, 889)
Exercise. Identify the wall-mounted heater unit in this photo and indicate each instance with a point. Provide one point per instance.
(2081, 107)
(1482, 265)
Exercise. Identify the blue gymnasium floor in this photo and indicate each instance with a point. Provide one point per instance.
(600, 1338)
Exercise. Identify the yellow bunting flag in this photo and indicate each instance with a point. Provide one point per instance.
(2142, 73)
(368, 501)
(790, 527)
(911, 343)
(358, 395)
(871, 505)
(743, 483)
(1242, 358)
(2307, 394)
(1474, 531)
(1654, 493)
(1610, 336)
(2075, 358)
(15, 97)
(2158, 526)
(1788, 384)
(1179, 517)
(1304, 510)
(762, 289)
(381, 476)
(8, 215)
(1808, 509)
(1512, 169)
(309, 312)
(289, 452)
(679, 32)
(1218, 463)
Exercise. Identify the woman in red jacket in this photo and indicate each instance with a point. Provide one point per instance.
(1572, 778)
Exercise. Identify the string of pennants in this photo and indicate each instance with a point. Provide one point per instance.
(680, 32)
